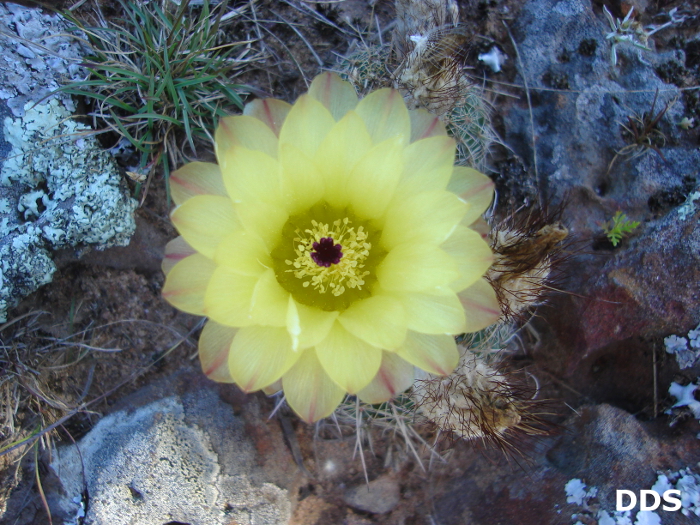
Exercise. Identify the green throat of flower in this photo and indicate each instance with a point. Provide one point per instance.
(327, 257)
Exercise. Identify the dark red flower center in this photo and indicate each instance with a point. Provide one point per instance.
(326, 252)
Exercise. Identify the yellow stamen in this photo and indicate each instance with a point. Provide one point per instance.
(335, 277)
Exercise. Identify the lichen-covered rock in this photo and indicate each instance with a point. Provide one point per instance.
(36, 55)
(58, 188)
(180, 459)
(571, 477)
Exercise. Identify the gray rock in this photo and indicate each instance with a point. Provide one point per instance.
(58, 189)
(379, 496)
(625, 299)
(184, 459)
(580, 101)
(604, 447)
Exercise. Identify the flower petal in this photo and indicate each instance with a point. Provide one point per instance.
(273, 388)
(481, 305)
(414, 267)
(378, 320)
(259, 356)
(348, 360)
(428, 217)
(245, 131)
(428, 165)
(270, 301)
(371, 184)
(472, 255)
(337, 95)
(335, 160)
(264, 220)
(436, 354)
(250, 175)
(307, 125)
(394, 376)
(214, 347)
(196, 178)
(175, 251)
(440, 313)
(302, 183)
(229, 296)
(187, 282)
(314, 323)
(244, 253)
(385, 116)
(204, 221)
(270, 111)
(308, 389)
(473, 187)
(424, 124)
(292, 322)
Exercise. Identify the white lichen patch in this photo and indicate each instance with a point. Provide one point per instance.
(688, 208)
(685, 480)
(58, 189)
(686, 397)
(37, 54)
(686, 349)
(67, 192)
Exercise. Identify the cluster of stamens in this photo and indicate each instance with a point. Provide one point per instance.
(331, 259)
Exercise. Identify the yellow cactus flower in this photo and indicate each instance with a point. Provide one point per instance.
(330, 248)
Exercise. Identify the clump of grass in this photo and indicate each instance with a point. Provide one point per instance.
(162, 71)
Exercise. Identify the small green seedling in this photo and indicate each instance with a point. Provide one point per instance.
(618, 227)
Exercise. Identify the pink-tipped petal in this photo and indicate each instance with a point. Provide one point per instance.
(264, 220)
(243, 252)
(186, 284)
(175, 251)
(481, 227)
(338, 96)
(204, 221)
(480, 305)
(378, 320)
(229, 296)
(270, 301)
(417, 268)
(336, 161)
(427, 217)
(301, 181)
(436, 354)
(214, 347)
(250, 175)
(196, 178)
(436, 313)
(245, 131)
(424, 124)
(372, 183)
(348, 360)
(271, 111)
(259, 356)
(473, 187)
(308, 389)
(307, 125)
(428, 165)
(385, 116)
(273, 388)
(314, 324)
(394, 376)
(472, 255)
